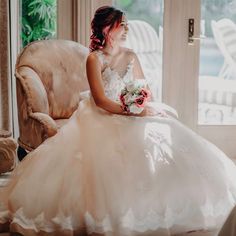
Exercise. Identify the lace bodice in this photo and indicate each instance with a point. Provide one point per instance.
(113, 82)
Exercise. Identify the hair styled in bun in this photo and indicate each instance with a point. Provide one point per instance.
(105, 19)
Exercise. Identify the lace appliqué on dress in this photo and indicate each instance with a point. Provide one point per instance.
(113, 82)
(151, 220)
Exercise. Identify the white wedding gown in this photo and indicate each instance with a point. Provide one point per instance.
(119, 175)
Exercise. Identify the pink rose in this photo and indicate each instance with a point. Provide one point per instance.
(125, 108)
(140, 102)
(122, 99)
(146, 93)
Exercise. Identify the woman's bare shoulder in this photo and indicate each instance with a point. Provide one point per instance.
(93, 58)
(93, 54)
(128, 52)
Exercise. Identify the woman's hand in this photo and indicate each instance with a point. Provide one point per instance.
(150, 111)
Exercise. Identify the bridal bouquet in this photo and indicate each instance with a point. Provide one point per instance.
(134, 96)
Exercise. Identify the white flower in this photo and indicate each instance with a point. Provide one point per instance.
(134, 109)
(130, 94)
(136, 84)
(131, 86)
(130, 98)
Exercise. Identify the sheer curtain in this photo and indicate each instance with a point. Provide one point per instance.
(74, 18)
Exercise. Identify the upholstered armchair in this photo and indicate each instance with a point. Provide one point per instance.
(49, 75)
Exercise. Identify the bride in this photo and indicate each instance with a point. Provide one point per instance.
(116, 171)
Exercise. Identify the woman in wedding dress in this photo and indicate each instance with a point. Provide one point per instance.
(109, 171)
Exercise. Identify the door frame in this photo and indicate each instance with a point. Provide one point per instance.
(181, 72)
(181, 60)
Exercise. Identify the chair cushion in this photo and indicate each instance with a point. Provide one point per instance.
(142, 37)
(36, 94)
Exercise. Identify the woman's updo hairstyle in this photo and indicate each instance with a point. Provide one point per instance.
(105, 19)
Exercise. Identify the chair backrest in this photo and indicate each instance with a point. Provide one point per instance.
(143, 39)
(224, 32)
(52, 74)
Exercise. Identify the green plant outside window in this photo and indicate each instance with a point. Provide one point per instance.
(38, 20)
(150, 11)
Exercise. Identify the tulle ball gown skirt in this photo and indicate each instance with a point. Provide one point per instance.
(106, 174)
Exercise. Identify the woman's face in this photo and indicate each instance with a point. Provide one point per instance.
(119, 34)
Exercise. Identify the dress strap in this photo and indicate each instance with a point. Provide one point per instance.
(101, 57)
(131, 64)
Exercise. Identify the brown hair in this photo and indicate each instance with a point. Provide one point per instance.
(105, 19)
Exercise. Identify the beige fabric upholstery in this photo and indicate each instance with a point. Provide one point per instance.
(50, 75)
(7, 151)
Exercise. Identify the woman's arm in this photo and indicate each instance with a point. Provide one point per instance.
(138, 74)
(93, 68)
(137, 70)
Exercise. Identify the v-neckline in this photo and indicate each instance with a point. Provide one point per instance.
(113, 70)
(117, 73)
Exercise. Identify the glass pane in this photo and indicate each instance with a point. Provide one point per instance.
(217, 80)
(145, 37)
(38, 20)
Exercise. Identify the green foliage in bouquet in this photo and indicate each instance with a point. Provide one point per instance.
(38, 20)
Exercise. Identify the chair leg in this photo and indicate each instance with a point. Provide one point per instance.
(21, 153)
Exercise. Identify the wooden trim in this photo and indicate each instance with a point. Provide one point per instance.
(82, 19)
(5, 116)
(181, 60)
(74, 18)
(15, 45)
(75, 13)
(64, 19)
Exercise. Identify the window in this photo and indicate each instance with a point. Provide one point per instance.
(217, 80)
(145, 37)
(38, 20)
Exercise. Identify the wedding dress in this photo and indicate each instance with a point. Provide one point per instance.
(119, 175)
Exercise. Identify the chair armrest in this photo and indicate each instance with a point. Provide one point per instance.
(46, 121)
